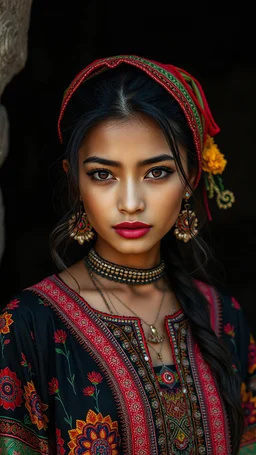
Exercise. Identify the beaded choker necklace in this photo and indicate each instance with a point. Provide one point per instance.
(115, 272)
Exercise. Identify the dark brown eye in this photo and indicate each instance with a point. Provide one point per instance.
(103, 175)
(99, 175)
(157, 172)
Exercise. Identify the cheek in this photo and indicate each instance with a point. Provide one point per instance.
(95, 204)
(168, 205)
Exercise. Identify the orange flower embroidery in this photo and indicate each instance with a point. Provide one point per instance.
(5, 322)
(97, 434)
(252, 355)
(249, 405)
(35, 406)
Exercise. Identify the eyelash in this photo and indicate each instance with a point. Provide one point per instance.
(161, 168)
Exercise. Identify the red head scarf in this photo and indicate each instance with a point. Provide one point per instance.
(181, 85)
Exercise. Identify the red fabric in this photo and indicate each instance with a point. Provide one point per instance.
(210, 126)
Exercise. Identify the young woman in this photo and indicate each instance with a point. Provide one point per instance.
(125, 352)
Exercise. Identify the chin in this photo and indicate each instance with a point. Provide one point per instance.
(136, 246)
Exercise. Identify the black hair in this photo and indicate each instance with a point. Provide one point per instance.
(124, 93)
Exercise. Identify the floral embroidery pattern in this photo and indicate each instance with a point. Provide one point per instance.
(5, 322)
(229, 329)
(252, 355)
(35, 406)
(25, 363)
(177, 411)
(89, 391)
(249, 405)
(95, 435)
(60, 443)
(93, 391)
(60, 336)
(10, 390)
(12, 305)
(54, 390)
(235, 304)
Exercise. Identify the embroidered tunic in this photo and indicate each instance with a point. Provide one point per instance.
(74, 380)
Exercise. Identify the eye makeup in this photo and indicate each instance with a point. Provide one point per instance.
(93, 172)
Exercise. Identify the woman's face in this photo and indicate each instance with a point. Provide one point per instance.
(127, 173)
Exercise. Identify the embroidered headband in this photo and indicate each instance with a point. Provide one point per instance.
(188, 92)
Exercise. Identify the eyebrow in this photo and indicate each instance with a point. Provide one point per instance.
(154, 159)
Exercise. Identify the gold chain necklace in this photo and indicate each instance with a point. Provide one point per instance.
(158, 353)
(94, 281)
(154, 336)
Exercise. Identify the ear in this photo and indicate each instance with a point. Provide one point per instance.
(65, 165)
(187, 189)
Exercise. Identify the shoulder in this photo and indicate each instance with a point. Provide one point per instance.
(230, 324)
(216, 295)
(225, 310)
(29, 305)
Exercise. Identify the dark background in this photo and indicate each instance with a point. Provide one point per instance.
(217, 50)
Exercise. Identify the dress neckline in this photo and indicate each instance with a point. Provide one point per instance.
(61, 283)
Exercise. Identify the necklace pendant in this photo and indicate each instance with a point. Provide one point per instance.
(155, 336)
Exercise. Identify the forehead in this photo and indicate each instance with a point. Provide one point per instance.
(134, 138)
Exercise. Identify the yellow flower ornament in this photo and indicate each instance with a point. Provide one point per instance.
(214, 164)
(213, 160)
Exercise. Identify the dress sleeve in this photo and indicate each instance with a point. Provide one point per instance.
(238, 337)
(25, 426)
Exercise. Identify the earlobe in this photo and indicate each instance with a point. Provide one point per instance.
(65, 165)
(189, 188)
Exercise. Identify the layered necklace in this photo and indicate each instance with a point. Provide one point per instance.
(154, 336)
(95, 263)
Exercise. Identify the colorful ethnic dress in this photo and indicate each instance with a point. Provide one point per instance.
(76, 381)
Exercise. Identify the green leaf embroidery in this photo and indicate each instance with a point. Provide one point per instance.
(59, 351)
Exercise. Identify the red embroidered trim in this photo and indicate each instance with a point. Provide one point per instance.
(13, 429)
(217, 419)
(141, 439)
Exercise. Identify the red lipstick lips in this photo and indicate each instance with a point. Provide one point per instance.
(131, 225)
(132, 229)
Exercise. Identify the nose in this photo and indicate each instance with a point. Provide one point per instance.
(130, 198)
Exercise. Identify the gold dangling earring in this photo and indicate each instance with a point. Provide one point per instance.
(186, 224)
(83, 230)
